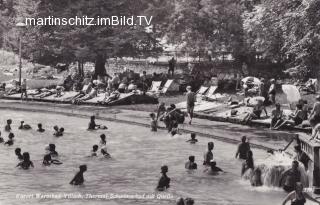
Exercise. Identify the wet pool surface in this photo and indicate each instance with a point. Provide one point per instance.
(137, 155)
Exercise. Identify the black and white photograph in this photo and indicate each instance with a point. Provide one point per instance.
(160, 102)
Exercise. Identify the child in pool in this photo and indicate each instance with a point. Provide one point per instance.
(78, 178)
(105, 153)
(103, 141)
(56, 130)
(60, 132)
(164, 181)
(193, 139)
(7, 128)
(10, 141)
(17, 151)
(213, 168)
(153, 122)
(24, 126)
(52, 150)
(47, 160)
(40, 129)
(92, 124)
(26, 163)
(94, 151)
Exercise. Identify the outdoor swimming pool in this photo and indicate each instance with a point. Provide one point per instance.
(137, 155)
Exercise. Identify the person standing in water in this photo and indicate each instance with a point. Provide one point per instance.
(40, 129)
(7, 128)
(17, 151)
(103, 141)
(289, 178)
(78, 179)
(191, 164)
(164, 182)
(193, 139)
(248, 164)
(298, 196)
(191, 99)
(26, 163)
(243, 148)
(208, 156)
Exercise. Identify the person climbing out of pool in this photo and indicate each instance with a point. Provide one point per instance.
(208, 156)
(26, 163)
(94, 151)
(47, 160)
(17, 152)
(10, 141)
(164, 181)
(301, 156)
(298, 196)
(193, 139)
(243, 148)
(52, 150)
(153, 122)
(290, 177)
(7, 128)
(1, 139)
(255, 179)
(56, 130)
(105, 153)
(103, 141)
(40, 129)
(78, 178)
(248, 164)
(191, 164)
(92, 124)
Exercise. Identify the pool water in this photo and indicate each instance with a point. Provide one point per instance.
(137, 155)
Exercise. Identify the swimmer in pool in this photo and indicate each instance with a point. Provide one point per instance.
(153, 122)
(60, 132)
(78, 178)
(24, 126)
(191, 164)
(248, 164)
(164, 182)
(1, 139)
(103, 141)
(193, 139)
(26, 163)
(52, 150)
(213, 168)
(208, 156)
(255, 179)
(105, 153)
(40, 129)
(17, 151)
(56, 130)
(92, 124)
(10, 141)
(94, 151)
(7, 128)
(47, 160)
(243, 148)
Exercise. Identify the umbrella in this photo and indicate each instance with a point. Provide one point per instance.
(292, 93)
(251, 80)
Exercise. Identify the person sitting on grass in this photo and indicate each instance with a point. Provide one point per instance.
(26, 163)
(10, 141)
(191, 164)
(78, 178)
(17, 152)
(256, 112)
(40, 129)
(164, 181)
(47, 160)
(276, 116)
(193, 139)
(153, 123)
(24, 126)
(7, 128)
(294, 119)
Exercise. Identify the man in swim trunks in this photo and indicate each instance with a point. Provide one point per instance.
(191, 164)
(191, 99)
(208, 156)
(243, 148)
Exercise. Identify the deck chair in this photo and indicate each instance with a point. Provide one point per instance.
(202, 90)
(210, 93)
(155, 87)
(170, 85)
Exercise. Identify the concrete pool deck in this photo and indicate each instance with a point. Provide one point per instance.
(262, 138)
